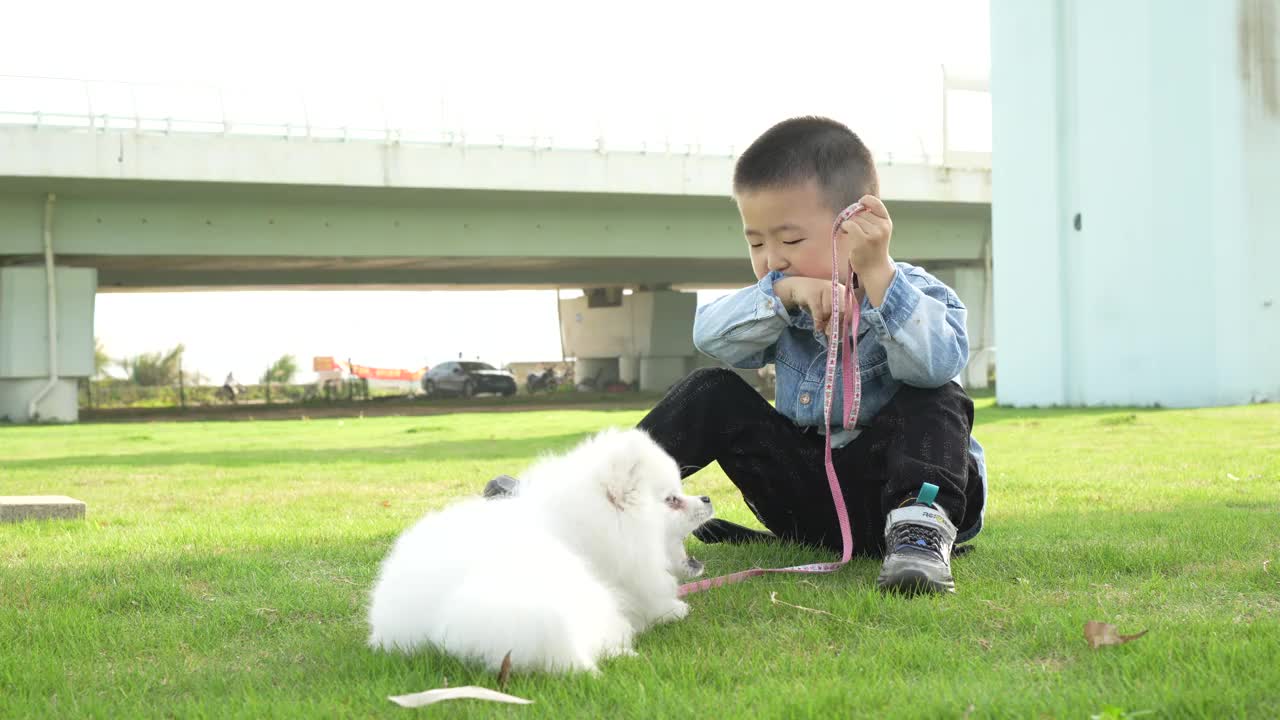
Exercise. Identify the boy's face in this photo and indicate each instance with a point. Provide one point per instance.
(788, 229)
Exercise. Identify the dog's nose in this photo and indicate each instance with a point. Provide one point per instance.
(706, 499)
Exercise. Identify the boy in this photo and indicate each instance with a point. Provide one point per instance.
(914, 425)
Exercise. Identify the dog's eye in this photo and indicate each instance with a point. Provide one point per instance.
(674, 502)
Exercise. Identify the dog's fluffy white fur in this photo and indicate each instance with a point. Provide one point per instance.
(562, 575)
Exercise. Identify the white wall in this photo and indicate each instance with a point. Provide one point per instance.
(24, 341)
(1137, 117)
(24, 327)
(648, 323)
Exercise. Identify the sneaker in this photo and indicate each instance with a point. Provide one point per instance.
(918, 541)
(501, 486)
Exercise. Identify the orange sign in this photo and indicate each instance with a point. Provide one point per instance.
(328, 364)
(372, 373)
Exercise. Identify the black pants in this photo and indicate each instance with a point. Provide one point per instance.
(921, 435)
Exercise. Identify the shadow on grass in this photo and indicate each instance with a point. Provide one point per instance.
(999, 414)
(523, 449)
(378, 407)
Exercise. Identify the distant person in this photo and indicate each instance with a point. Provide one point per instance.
(231, 387)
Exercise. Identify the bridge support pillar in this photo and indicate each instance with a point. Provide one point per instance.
(1134, 213)
(597, 371)
(972, 284)
(629, 369)
(25, 366)
(645, 337)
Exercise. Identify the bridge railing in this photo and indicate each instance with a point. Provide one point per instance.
(99, 105)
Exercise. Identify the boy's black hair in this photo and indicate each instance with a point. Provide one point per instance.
(800, 149)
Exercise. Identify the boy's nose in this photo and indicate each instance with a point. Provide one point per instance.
(778, 264)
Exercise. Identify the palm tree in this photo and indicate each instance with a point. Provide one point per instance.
(282, 371)
(155, 369)
(101, 360)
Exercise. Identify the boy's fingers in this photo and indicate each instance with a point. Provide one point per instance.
(824, 305)
(874, 206)
(854, 226)
(867, 224)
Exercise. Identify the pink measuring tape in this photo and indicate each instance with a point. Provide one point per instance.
(851, 391)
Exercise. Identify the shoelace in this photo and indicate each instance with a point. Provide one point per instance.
(916, 536)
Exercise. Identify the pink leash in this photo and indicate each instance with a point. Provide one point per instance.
(851, 392)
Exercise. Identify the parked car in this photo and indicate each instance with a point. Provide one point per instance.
(466, 378)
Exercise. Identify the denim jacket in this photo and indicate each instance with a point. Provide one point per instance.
(916, 336)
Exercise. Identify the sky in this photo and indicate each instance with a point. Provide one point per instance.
(711, 73)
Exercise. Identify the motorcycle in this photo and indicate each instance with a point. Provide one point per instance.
(545, 380)
(230, 392)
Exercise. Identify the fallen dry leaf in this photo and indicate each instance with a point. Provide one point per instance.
(984, 643)
(386, 503)
(1266, 566)
(459, 693)
(1099, 633)
(504, 673)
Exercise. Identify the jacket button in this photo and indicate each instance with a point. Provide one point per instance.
(805, 398)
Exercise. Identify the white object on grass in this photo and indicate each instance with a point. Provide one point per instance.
(470, 692)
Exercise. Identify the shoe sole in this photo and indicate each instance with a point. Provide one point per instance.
(916, 583)
(912, 577)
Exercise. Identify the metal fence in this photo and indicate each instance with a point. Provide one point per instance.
(111, 393)
(292, 113)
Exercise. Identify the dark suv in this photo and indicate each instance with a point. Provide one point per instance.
(460, 377)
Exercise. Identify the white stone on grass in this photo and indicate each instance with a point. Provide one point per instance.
(16, 508)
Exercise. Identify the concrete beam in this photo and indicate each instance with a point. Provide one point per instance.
(120, 154)
(144, 235)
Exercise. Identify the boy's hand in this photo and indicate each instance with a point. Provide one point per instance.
(869, 232)
(813, 295)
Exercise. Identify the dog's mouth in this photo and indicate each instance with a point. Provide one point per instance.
(699, 515)
(689, 512)
(704, 510)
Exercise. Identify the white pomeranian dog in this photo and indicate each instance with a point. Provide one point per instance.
(562, 575)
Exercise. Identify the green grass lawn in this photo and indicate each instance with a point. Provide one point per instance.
(223, 569)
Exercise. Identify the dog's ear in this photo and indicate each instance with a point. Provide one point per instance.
(622, 484)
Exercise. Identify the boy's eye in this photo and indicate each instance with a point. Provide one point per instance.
(756, 245)
(793, 242)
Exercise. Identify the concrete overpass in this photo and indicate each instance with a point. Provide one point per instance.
(132, 209)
